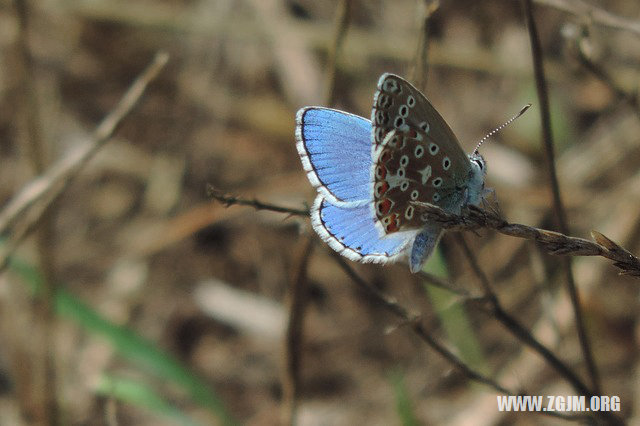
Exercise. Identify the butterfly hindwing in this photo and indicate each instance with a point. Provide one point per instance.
(335, 149)
(351, 231)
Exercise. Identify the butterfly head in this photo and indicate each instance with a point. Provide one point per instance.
(476, 191)
(478, 164)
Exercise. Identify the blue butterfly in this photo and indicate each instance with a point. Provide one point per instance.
(371, 176)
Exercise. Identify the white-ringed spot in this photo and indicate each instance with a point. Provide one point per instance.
(414, 194)
(408, 213)
(411, 101)
(424, 126)
(433, 148)
(381, 188)
(384, 101)
(436, 182)
(436, 197)
(403, 111)
(399, 122)
(404, 185)
(391, 86)
(400, 173)
(419, 151)
(381, 117)
(404, 161)
(446, 163)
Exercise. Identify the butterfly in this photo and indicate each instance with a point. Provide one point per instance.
(372, 175)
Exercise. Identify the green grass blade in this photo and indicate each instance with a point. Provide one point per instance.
(453, 316)
(130, 345)
(141, 395)
(403, 401)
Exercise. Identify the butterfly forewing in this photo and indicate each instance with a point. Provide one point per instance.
(399, 105)
(416, 157)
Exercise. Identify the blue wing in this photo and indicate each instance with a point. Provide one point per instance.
(335, 148)
(352, 232)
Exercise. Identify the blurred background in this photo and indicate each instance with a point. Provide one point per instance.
(173, 308)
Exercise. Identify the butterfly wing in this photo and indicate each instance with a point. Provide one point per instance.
(351, 231)
(335, 149)
(416, 157)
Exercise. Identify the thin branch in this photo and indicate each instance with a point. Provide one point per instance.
(421, 65)
(594, 14)
(230, 200)
(297, 303)
(418, 328)
(46, 397)
(603, 75)
(23, 212)
(343, 19)
(474, 218)
(547, 136)
(414, 321)
(511, 324)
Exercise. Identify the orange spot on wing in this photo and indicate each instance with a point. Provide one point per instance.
(394, 223)
(384, 206)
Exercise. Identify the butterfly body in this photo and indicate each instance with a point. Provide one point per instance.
(372, 175)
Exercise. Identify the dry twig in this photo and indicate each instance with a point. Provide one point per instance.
(22, 213)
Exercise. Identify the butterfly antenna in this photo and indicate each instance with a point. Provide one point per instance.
(500, 127)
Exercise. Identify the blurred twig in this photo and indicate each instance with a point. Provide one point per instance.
(420, 68)
(297, 302)
(510, 323)
(45, 401)
(22, 213)
(473, 219)
(594, 14)
(343, 18)
(414, 321)
(603, 75)
(547, 136)
(230, 200)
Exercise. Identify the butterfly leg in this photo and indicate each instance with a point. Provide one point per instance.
(423, 246)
